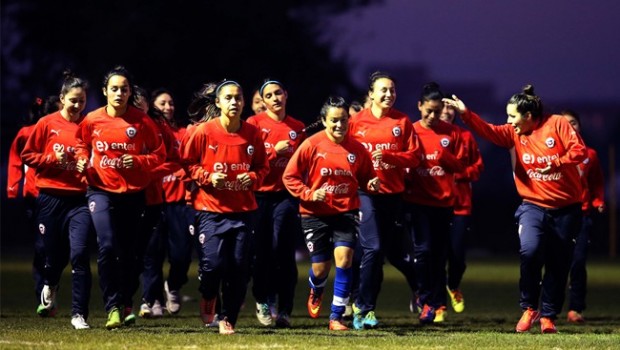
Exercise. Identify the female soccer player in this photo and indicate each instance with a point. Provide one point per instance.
(388, 136)
(546, 152)
(461, 221)
(325, 173)
(122, 145)
(226, 158)
(18, 174)
(154, 236)
(62, 216)
(593, 201)
(429, 199)
(277, 218)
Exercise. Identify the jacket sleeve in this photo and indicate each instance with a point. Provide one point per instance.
(15, 169)
(260, 162)
(596, 182)
(474, 164)
(193, 145)
(501, 135)
(410, 157)
(575, 148)
(295, 172)
(34, 154)
(155, 152)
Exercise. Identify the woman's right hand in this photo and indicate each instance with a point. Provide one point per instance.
(455, 103)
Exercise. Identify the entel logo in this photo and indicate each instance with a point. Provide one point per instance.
(527, 158)
(220, 167)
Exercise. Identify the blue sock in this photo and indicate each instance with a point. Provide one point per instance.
(317, 284)
(342, 289)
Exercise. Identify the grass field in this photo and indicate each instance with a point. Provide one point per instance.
(490, 287)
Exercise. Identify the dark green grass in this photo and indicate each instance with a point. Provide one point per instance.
(491, 294)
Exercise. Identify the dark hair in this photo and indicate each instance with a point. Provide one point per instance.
(123, 72)
(160, 91)
(334, 102)
(224, 83)
(35, 111)
(202, 107)
(573, 114)
(376, 76)
(356, 105)
(139, 93)
(50, 105)
(268, 81)
(527, 101)
(71, 81)
(431, 92)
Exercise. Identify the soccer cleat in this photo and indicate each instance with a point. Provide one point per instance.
(427, 315)
(283, 321)
(456, 297)
(45, 312)
(440, 314)
(414, 305)
(173, 300)
(215, 323)
(527, 319)
(370, 320)
(48, 300)
(337, 325)
(157, 310)
(348, 311)
(314, 303)
(575, 317)
(547, 326)
(114, 319)
(273, 308)
(78, 322)
(129, 318)
(263, 314)
(207, 310)
(145, 311)
(225, 327)
(358, 319)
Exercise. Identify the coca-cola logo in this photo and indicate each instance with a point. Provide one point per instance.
(544, 177)
(234, 185)
(280, 162)
(434, 171)
(342, 188)
(107, 162)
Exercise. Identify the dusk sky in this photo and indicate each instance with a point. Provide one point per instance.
(568, 49)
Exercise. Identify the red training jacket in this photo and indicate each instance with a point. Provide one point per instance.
(320, 163)
(16, 169)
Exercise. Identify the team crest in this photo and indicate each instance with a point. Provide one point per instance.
(292, 134)
(192, 230)
(550, 142)
(91, 206)
(351, 158)
(310, 246)
(250, 149)
(445, 142)
(201, 238)
(42, 229)
(396, 131)
(131, 132)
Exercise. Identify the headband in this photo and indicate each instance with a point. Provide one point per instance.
(224, 83)
(260, 91)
